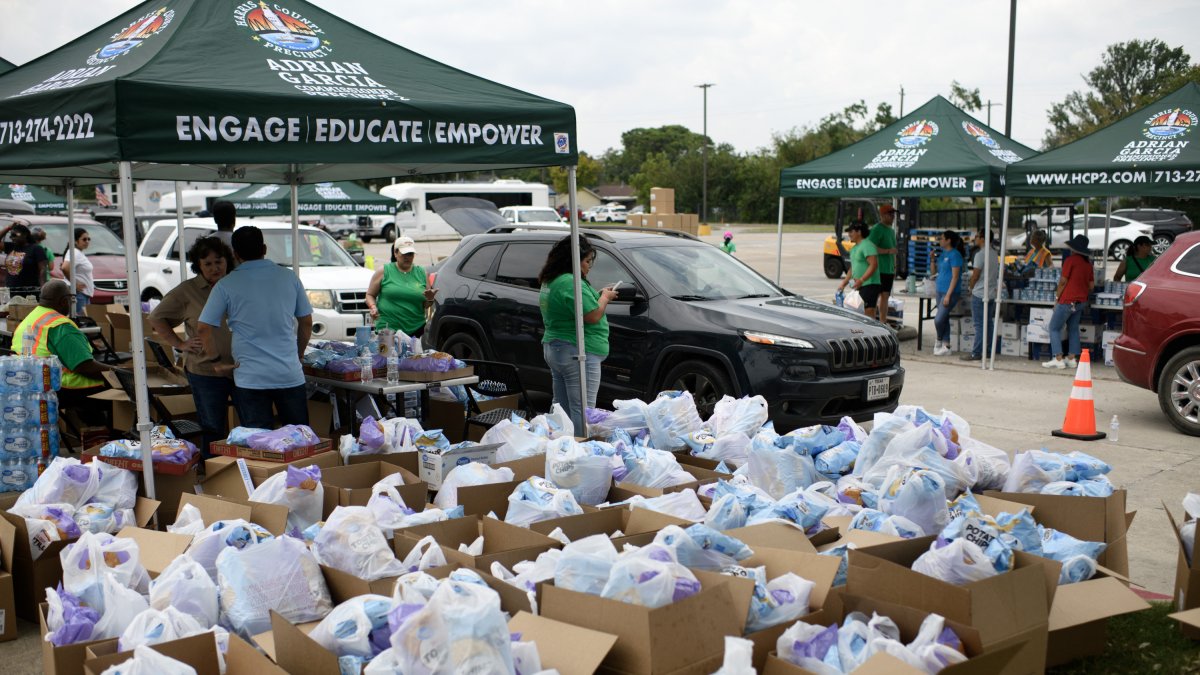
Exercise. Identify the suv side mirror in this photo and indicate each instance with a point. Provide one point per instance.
(629, 293)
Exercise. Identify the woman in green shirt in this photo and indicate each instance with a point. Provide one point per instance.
(557, 301)
(398, 294)
(864, 268)
(1140, 257)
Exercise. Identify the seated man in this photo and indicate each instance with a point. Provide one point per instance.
(1017, 273)
(54, 334)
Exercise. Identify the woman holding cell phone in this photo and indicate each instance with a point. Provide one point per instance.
(557, 303)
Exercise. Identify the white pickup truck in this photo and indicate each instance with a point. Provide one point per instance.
(336, 284)
(1058, 215)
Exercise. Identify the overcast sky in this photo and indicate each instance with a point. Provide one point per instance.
(777, 64)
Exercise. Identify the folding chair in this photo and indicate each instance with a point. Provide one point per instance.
(495, 379)
(182, 428)
(160, 354)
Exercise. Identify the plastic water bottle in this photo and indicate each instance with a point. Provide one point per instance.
(393, 369)
(366, 374)
(839, 298)
(47, 442)
(1114, 430)
(15, 412)
(47, 408)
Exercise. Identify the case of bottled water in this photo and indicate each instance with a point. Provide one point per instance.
(29, 436)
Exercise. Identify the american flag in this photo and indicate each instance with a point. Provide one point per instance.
(102, 198)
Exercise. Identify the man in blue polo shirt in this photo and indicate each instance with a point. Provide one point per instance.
(271, 320)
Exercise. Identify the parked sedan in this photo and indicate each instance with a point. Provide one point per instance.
(1121, 235)
(1159, 347)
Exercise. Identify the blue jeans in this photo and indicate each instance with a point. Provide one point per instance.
(564, 374)
(254, 406)
(212, 395)
(1068, 315)
(81, 301)
(941, 321)
(978, 309)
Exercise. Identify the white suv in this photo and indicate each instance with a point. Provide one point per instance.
(608, 214)
(531, 215)
(336, 285)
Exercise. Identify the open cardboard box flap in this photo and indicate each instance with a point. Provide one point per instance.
(197, 651)
(774, 535)
(351, 485)
(294, 651)
(503, 543)
(156, 550)
(8, 540)
(819, 569)
(1092, 600)
(272, 517)
(1189, 618)
(1175, 524)
(525, 468)
(570, 650)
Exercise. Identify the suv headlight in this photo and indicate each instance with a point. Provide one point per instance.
(777, 340)
(320, 299)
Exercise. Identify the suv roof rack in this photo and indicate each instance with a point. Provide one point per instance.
(593, 230)
(648, 230)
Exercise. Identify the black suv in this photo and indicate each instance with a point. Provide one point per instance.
(1167, 224)
(687, 316)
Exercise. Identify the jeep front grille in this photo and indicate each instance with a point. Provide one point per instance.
(351, 301)
(861, 353)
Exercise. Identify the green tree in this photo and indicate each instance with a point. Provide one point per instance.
(1130, 75)
(967, 99)
(587, 174)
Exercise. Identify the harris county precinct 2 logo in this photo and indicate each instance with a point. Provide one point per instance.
(562, 143)
(282, 30)
(1169, 123)
(980, 134)
(916, 134)
(133, 35)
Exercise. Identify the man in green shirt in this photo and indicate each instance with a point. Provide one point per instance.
(864, 269)
(883, 235)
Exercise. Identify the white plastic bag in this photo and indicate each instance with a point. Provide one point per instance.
(959, 562)
(587, 475)
(555, 424)
(95, 557)
(208, 544)
(671, 418)
(185, 586)
(585, 564)
(744, 416)
(649, 577)
(120, 605)
(733, 449)
(931, 649)
(628, 414)
(427, 554)
(921, 448)
(118, 487)
(189, 521)
(154, 626)
(887, 426)
(653, 468)
(538, 499)
(461, 630)
(739, 656)
(778, 471)
(516, 442)
(298, 489)
(146, 661)
(1187, 531)
(357, 627)
(65, 481)
(917, 495)
(1028, 475)
(471, 473)
(351, 542)
(278, 574)
(683, 504)
(991, 464)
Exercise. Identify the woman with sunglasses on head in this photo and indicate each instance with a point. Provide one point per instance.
(399, 293)
(85, 285)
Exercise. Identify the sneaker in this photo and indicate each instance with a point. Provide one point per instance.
(1054, 363)
(1071, 362)
(941, 350)
(970, 357)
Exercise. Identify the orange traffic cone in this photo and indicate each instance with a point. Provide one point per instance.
(1080, 422)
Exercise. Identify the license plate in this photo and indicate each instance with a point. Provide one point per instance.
(878, 388)
(121, 300)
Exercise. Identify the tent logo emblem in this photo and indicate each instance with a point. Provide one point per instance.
(1169, 123)
(133, 35)
(916, 134)
(281, 29)
(980, 134)
(562, 144)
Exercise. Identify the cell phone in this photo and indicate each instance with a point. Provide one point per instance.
(616, 285)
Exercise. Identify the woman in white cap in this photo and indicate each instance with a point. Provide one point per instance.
(399, 293)
(1074, 287)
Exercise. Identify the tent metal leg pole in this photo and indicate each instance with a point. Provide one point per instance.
(1107, 225)
(1000, 276)
(179, 232)
(983, 279)
(779, 248)
(142, 404)
(70, 187)
(577, 273)
(294, 181)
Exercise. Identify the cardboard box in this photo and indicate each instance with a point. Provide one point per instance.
(1007, 609)
(1079, 616)
(571, 650)
(135, 465)
(351, 485)
(1089, 333)
(701, 475)
(1187, 582)
(662, 200)
(426, 376)
(8, 600)
(1040, 316)
(17, 313)
(638, 526)
(435, 465)
(1010, 330)
(1086, 518)
(1038, 334)
(290, 455)
(908, 620)
(680, 638)
(272, 517)
(66, 660)
(450, 416)
(503, 543)
(216, 483)
(198, 651)
(36, 566)
(409, 461)
(635, 220)
(156, 550)
(668, 221)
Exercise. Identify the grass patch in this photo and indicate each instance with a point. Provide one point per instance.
(806, 228)
(1144, 642)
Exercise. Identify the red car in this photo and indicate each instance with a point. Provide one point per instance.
(1159, 347)
(106, 252)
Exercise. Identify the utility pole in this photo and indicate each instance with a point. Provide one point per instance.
(704, 156)
(989, 109)
(1012, 47)
(901, 101)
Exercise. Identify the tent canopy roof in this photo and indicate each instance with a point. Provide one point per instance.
(342, 198)
(239, 90)
(1154, 151)
(936, 150)
(41, 200)
(6, 66)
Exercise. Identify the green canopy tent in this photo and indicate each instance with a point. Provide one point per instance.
(41, 200)
(6, 66)
(342, 198)
(936, 150)
(232, 90)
